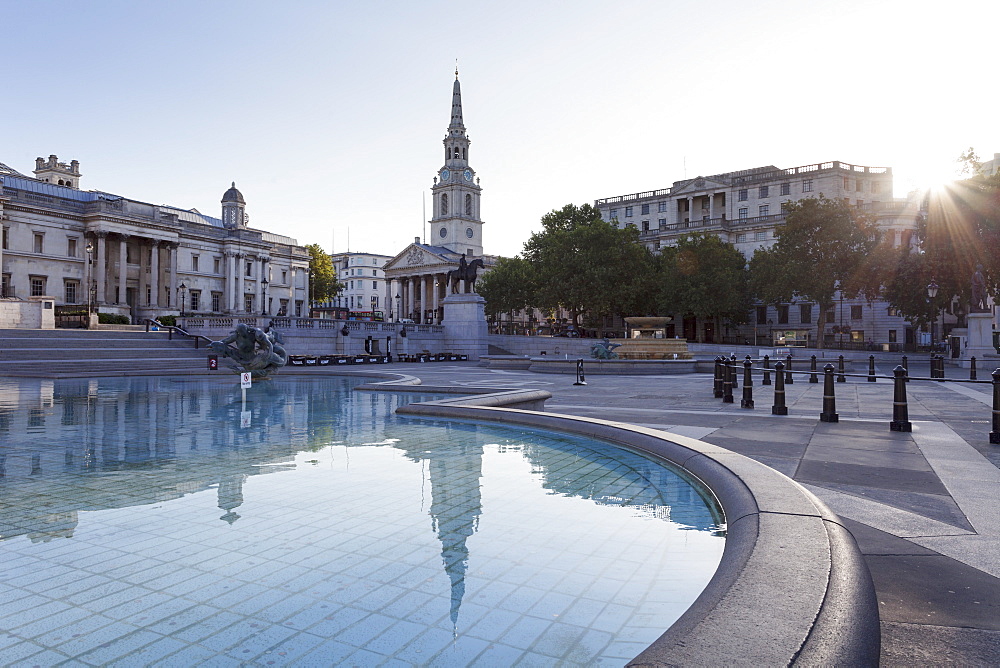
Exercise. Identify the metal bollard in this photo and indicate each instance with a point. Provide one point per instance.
(580, 380)
(736, 379)
(841, 378)
(779, 391)
(767, 371)
(788, 371)
(747, 384)
(906, 367)
(995, 434)
(812, 370)
(717, 383)
(727, 383)
(972, 368)
(940, 365)
(900, 413)
(871, 368)
(829, 413)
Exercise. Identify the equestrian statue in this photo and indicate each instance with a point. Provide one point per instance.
(467, 271)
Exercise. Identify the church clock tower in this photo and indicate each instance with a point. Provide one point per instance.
(456, 224)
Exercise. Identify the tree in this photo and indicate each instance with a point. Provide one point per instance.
(585, 264)
(704, 277)
(821, 249)
(323, 283)
(508, 286)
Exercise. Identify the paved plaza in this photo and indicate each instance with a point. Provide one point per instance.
(923, 505)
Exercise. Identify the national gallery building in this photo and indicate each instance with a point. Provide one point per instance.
(141, 260)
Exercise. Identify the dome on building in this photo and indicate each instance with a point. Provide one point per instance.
(233, 195)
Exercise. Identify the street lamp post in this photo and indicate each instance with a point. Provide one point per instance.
(183, 289)
(932, 291)
(263, 296)
(398, 299)
(90, 280)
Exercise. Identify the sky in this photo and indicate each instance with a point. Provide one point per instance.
(329, 116)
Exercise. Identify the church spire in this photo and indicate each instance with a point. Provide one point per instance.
(456, 108)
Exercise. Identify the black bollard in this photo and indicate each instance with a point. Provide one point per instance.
(940, 360)
(727, 382)
(580, 380)
(995, 434)
(829, 413)
(717, 384)
(736, 378)
(767, 371)
(871, 368)
(788, 370)
(906, 368)
(747, 384)
(841, 378)
(972, 368)
(812, 370)
(779, 391)
(900, 413)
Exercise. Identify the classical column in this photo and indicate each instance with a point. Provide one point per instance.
(100, 268)
(172, 285)
(435, 319)
(240, 271)
(122, 266)
(422, 282)
(389, 304)
(229, 280)
(154, 274)
(690, 201)
(711, 206)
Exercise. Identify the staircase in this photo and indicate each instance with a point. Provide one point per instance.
(76, 353)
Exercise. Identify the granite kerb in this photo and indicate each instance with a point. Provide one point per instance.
(791, 586)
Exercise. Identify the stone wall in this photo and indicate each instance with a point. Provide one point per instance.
(36, 314)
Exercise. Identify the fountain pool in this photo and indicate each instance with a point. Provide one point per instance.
(161, 521)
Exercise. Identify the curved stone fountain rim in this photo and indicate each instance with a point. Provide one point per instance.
(791, 586)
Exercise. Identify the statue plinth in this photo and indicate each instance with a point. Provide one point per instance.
(464, 322)
(979, 343)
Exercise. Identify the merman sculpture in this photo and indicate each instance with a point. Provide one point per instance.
(259, 351)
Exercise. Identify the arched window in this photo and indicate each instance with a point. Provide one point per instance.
(456, 153)
(463, 154)
(444, 203)
(468, 205)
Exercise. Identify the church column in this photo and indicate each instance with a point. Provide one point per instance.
(154, 274)
(435, 280)
(424, 301)
(100, 268)
(122, 267)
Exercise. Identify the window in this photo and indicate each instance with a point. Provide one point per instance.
(37, 284)
(612, 214)
(249, 269)
(468, 205)
(805, 313)
(645, 226)
(783, 314)
(762, 192)
(216, 301)
(149, 295)
(661, 223)
(807, 185)
(876, 187)
(71, 247)
(741, 238)
(39, 242)
(786, 188)
(374, 272)
(761, 315)
(742, 195)
(374, 302)
(5, 289)
(760, 236)
(194, 267)
(195, 300)
(248, 303)
(6, 238)
(284, 277)
(166, 296)
(444, 203)
(283, 308)
(71, 290)
(216, 267)
(350, 285)
(744, 212)
(858, 335)
(645, 209)
(892, 336)
(859, 185)
(661, 207)
(763, 210)
(856, 312)
(374, 285)
(628, 212)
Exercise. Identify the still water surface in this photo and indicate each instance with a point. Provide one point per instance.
(141, 522)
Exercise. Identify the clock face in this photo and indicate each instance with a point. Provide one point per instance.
(443, 233)
(468, 175)
(469, 233)
(445, 175)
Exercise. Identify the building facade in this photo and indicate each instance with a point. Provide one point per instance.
(744, 208)
(117, 255)
(364, 282)
(416, 277)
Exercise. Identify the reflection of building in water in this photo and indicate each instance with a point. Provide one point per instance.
(455, 468)
(73, 445)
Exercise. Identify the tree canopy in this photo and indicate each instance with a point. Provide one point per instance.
(705, 277)
(322, 277)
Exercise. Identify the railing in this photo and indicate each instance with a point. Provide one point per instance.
(171, 329)
(663, 192)
(301, 324)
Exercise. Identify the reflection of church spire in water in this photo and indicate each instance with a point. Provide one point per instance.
(231, 496)
(455, 507)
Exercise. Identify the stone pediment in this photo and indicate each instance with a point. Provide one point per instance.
(697, 185)
(416, 256)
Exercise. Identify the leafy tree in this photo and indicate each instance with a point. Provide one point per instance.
(323, 283)
(585, 264)
(821, 248)
(705, 277)
(508, 286)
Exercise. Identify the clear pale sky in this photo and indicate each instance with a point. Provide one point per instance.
(329, 116)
